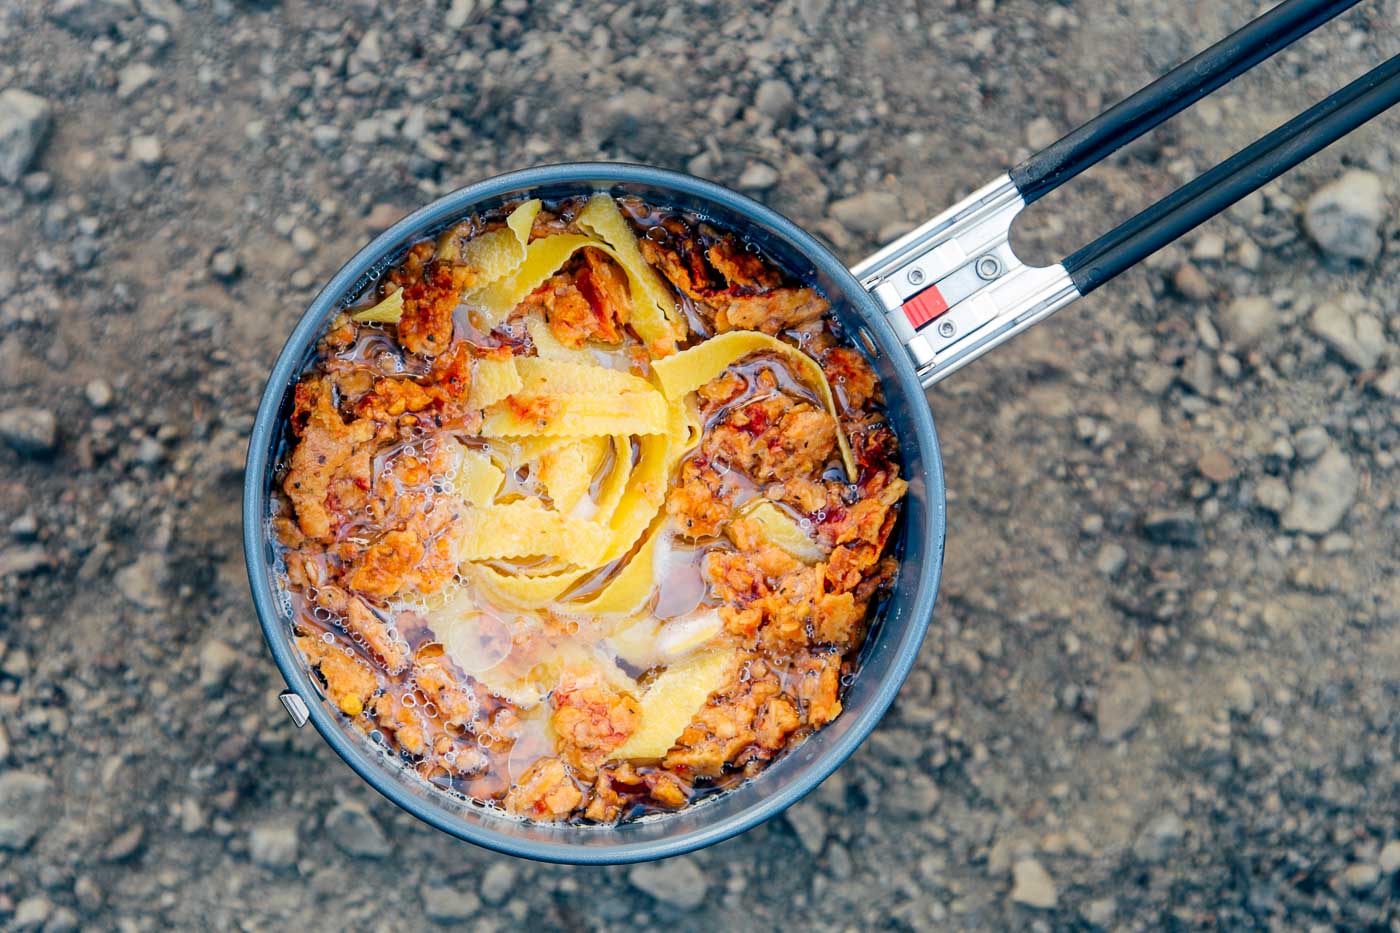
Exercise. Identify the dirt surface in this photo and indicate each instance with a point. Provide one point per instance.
(1159, 689)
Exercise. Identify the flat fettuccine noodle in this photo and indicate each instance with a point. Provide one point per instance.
(782, 531)
(478, 479)
(526, 528)
(626, 592)
(558, 398)
(495, 254)
(493, 380)
(387, 311)
(566, 468)
(542, 259)
(654, 316)
(688, 370)
(522, 591)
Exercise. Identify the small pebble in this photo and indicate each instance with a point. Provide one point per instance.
(99, 394)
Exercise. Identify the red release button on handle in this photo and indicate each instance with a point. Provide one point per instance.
(925, 306)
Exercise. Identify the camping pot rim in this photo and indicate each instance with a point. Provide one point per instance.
(778, 787)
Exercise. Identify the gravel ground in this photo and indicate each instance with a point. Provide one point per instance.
(1159, 689)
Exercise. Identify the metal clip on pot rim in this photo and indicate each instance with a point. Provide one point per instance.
(954, 288)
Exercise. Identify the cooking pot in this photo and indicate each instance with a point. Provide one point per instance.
(920, 309)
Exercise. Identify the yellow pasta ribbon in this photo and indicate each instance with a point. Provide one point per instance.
(615, 483)
(566, 468)
(672, 701)
(496, 254)
(629, 589)
(782, 531)
(542, 259)
(654, 315)
(521, 591)
(493, 380)
(563, 399)
(526, 528)
(688, 370)
(478, 479)
(646, 488)
(387, 311)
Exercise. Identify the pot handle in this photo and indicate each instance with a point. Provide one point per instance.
(954, 288)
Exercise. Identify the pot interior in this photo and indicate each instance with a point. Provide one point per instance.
(889, 650)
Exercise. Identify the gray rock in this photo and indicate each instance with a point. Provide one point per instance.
(448, 904)
(1101, 911)
(88, 894)
(25, 799)
(162, 11)
(1111, 560)
(31, 913)
(274, 844)
(1353, 334)
(26, 527)
(915, 796)
(637, 122)
(1249, 321)
(459, 12)
(1311, 442)
(498, 881)
(143, 580)
(1343, 217)
(1175, 528)
(775, 100)
(1239, 695)
(1272, 495)
(367, 54)
(1124, 698)
(758, 177)
(808, 823)
(63, 920)
(90, 17)
(1032, 885)
(31, 432)
(125, 845)
(1198, 374)
(1322, 494)
(1191, 282)
(866, 213)
(678, 882)
(802, 187)
(1362, 877)
(18, 561)
(25, 120)
(145, 149)
(1389, 860)
(1159, 838)
(99, 393)
(1040, 133)
(355, 832)
(1388, 384)
(217, 660)
(304, 240)
(133, 78)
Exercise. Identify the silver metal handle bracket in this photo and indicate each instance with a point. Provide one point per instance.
(295, 707)
(954, 289)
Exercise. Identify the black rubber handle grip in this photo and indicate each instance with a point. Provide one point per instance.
(1172, 93)
(1243, 173)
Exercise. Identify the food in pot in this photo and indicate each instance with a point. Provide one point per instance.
(584, 509)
